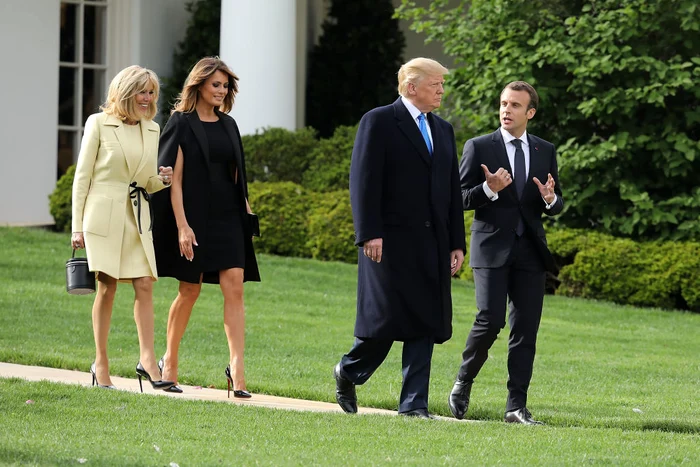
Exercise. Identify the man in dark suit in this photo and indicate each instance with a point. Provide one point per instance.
(409, 227)
(500, 175)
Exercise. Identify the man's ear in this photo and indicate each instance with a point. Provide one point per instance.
(531, 113)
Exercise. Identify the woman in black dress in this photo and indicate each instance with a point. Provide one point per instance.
(202, 233)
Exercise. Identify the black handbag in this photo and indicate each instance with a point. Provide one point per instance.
(254, 224)
(79, 279)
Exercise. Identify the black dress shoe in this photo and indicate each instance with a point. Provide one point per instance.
(344, 392)
(522, 416)
(418, 413)
(459, 399)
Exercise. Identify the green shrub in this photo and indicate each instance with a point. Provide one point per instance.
(331, 232)
(657, 274)
(282, 208)
(329, 167)
(278, 155)
(60, 203)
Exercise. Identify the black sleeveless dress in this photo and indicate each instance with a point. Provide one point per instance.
(223, 247)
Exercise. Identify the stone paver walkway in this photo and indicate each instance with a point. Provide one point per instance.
(37, 373)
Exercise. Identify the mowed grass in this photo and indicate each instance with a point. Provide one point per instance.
(615, 384)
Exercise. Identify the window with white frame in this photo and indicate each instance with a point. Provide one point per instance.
(82, 72)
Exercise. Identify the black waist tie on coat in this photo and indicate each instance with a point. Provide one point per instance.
(136, 193)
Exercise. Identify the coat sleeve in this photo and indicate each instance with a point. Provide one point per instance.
(155, 184)
(170, 141)
(554, 170)
(456, 213)
(472, 178)
(89, 147)
(366, 176)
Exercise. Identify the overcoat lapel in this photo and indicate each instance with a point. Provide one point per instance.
(149, 136)
(198, 130)
(118, 125)
(410, 129)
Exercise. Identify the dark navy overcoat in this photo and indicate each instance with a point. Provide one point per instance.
(412, 200)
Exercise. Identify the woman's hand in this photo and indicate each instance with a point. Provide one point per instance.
(187, 240)
(166, 175)
(77, 240)
(247, 207)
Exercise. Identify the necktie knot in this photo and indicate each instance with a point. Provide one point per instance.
(518, 143)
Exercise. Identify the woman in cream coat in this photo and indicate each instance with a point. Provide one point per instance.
(115, 174)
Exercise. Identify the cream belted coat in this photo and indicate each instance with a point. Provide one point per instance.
(107, 166)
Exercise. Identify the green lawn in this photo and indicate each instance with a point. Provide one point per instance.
(615, 384)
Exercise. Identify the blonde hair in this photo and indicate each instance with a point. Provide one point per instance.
(415, 70)
(203, 69)
(124, 87)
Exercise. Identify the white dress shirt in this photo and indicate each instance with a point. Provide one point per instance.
(415, 113)
(510, 151)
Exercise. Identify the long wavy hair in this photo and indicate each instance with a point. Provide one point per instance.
(188, 97)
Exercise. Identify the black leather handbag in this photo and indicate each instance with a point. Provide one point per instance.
(254, 224)
(79, 279)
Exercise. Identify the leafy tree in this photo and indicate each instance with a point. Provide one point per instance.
(201, 40)
(353, 67)
(619, 96)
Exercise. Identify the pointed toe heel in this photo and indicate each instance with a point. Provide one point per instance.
(240, 393)
(156, 384)
(93, 371)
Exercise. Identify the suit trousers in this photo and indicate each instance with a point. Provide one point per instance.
(367, 354)
(520, 284)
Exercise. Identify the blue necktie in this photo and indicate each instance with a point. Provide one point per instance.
(424, 131)
(520, 179)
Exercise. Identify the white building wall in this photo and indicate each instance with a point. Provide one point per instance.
(162, 25)
(29, 32)
(259, 43)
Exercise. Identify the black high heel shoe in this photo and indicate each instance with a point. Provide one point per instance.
(175, 388)
(160, 384)
(94, 379)
(236, 392)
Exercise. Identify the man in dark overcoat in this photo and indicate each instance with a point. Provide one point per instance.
(510, 179)
(409, 227)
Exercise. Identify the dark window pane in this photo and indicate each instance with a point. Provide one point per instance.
(69, 32)
(66, 96)
(95, 34)
(66, 150)
(93, 92)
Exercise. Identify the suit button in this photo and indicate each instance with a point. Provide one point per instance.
(135, 203)
(427, 223)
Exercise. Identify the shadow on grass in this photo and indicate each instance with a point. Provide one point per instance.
(672, 426)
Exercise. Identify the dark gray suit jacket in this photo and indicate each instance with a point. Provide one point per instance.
(493, 229)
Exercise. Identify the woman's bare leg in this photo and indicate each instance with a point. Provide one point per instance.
(231, 282)
(179, 316)
(101, 321)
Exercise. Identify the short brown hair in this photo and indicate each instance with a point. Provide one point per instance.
(523, 86)
(203, 69)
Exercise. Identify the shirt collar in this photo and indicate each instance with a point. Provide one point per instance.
(412, 109)
(507, 137)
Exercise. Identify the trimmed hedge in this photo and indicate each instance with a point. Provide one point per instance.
(283, 209)
(277, 154)
(658, 274)
(329, 169)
